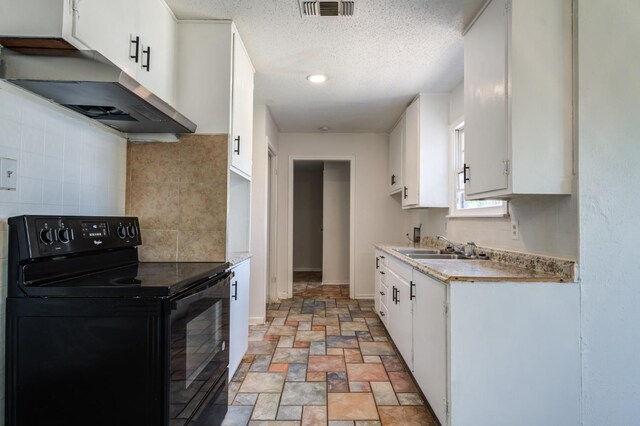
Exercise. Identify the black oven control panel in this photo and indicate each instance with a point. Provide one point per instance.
(62, 235)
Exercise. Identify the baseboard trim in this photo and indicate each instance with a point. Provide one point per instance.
(257, 320)
(307, 269)
(364, 297)
(335, 282)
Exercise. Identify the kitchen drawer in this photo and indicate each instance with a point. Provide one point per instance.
(383, 272)
(383, 295)
(401, 269)
(383, 313)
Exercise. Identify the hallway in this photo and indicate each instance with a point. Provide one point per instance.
(323, 359)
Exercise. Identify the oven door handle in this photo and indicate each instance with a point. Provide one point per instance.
(188, 294)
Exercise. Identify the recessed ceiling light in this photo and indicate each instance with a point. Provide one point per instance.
(317, 78)
(324, 128)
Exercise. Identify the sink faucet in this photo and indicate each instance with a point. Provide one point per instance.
(453, 245)
(468, 249)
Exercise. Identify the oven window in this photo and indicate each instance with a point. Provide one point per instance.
(199, 353)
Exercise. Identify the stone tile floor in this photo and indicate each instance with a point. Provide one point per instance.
(323, 359)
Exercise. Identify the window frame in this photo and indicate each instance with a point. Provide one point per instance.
(454, 212)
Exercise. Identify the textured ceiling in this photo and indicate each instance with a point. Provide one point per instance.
(377, 61)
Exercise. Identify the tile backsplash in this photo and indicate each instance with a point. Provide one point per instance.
(65, 165)
(179, 193)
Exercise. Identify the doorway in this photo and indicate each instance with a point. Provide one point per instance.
(321, 243)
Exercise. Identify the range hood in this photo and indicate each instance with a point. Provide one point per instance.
(88, 83)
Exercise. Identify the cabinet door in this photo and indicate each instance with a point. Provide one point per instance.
(400, 324)
(430, 341)
(378, 286)
(108, 27)
(395, 157)
(485, 100)
(404, 319)
(411, 156)
(242, 109)
(157, 32)
(239, 318)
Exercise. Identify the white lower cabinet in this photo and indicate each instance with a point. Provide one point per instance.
(430, 341)
(239, 316)
(400, 325)
(487, 353)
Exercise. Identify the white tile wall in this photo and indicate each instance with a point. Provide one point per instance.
(66, 165)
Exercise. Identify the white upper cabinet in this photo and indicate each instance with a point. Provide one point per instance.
(425, 153)
(395, 157)
(103, 26)
(139, 37)
(215, 86)
(158, 32)
(518, 99)
(242, 105)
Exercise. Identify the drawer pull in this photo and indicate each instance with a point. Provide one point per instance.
(381, 313)
(382, 293)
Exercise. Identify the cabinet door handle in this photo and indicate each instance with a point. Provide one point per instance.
(411, 295)
(377, 263)
(405, 192)
(382, 272)
(237, 150)
(397, 296)
(393, 179)
(235, 290)
(147, 52)
(394, 293)
(135, 42)
(381, 313)
(465, 176)
(381, 257)
(382, 293)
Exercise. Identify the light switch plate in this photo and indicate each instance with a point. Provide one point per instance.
(8, 174)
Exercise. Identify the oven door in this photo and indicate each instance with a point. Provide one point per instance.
(199, 347)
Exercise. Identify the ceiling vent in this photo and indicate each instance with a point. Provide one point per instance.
(327, 8)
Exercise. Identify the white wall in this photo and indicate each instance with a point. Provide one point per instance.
(265, 136)
(609, 101)
(547, 224)
(307, 216)
(66, 165)
(379, 216)
(335, 235)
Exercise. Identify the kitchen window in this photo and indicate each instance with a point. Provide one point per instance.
(460, 206)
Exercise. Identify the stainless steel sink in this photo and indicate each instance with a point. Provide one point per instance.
(439, 256)
(416, 251)
(434, 254)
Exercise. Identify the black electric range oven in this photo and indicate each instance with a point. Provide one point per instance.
(95, 337)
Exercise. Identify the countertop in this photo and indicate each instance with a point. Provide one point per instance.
(237, 258)
(473, 270)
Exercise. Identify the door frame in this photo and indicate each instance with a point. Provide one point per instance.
(352, 195)
(272, 234)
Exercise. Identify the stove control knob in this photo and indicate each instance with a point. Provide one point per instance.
(122, 232)
(65, 235)
(47, 236)
(132, 231)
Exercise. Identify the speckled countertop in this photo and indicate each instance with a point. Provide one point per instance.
(238, 257)
(484, 270)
